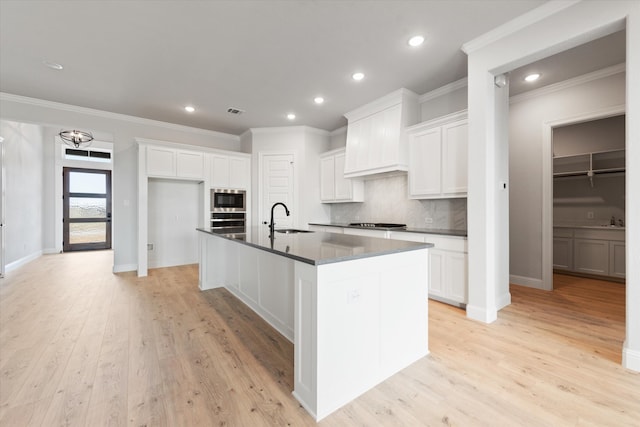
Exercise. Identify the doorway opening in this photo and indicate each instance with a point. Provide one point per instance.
(86, 209)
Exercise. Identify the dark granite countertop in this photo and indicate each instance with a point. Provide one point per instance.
(445, 232)
(317, 248)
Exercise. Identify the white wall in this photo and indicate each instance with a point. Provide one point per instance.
(592, 136)
(174, 213)
(23, 161)
(526, 117)
(124, 129)
(432, 107)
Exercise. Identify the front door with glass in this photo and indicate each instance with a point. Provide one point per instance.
(86, 209)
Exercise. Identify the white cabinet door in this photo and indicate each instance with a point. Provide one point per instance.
(591, 256)
(563, 253)
(617, 264)
(454, 158)
(219, 171)
(343, 187)
(239, 173)
(189, 164)
(456, 277)
(424, 163)
(437, 270)
(327, 179)
(161, 161)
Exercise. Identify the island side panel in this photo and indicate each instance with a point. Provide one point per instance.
(357, 323)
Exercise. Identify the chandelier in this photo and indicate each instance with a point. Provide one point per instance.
(76, 138)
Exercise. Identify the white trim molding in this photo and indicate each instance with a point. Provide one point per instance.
(529, 282)
(575, 81)
(516, 24)
(115, 116)
(23, 261)
(630, 358)
(444, 90)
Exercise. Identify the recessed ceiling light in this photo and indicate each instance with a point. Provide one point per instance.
(189, 109)
(291, 116)
(53, 65)
(357, 76)
(318, 100)
(532, 77)
(415, 41)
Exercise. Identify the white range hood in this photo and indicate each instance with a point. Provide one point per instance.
(376, 141)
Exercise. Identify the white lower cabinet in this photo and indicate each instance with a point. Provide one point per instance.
(617, 262)
(448, 265)
(594, 251)
(562, 253)
(591, 256)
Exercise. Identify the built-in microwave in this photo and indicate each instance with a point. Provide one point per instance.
(225, 200)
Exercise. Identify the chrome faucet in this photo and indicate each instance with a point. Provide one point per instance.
(621, 222)
(271, 223)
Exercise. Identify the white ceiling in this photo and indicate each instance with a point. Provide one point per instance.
(151, 58)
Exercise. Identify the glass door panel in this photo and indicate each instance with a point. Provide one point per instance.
(87, 209)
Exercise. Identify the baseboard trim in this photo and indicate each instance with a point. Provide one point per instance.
(122, 268)
(22, 261)
(503, 300)
(51, 251)
(630, 358)
(481, 314)
(529, 282)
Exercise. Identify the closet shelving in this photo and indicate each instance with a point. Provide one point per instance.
(589, 164)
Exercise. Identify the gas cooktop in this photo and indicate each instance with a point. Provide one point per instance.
(376, 225)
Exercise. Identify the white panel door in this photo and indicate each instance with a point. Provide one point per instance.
(456, 273)
(190, 164)
(617, 264)
(277, 185)
(454, 157)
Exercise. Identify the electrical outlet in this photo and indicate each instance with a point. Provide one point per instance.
(149, 246)
(428, 220)
(589, 215)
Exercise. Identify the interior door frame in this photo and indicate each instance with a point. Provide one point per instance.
(547, 182)
(2, 207)
(67, 246)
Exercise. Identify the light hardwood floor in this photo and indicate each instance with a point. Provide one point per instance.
(82, 346)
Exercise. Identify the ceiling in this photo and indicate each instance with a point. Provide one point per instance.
(151, 58)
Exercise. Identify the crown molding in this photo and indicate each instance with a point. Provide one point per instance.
(339, 131)
(288, 129)
(585, 78)
(444, 90)
(516, 24)
(114, 116)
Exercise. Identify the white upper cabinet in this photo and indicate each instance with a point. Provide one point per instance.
(376, 142)
(334, 187)
(230, 171)
(172, 163)
(438, 158)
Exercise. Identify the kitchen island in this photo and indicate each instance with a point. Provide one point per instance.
(354, 307)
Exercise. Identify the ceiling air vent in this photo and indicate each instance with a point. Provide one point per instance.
(233, 110)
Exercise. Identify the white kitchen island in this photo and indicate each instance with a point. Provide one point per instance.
(354, 307)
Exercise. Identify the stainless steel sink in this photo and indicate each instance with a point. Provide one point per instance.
(292, 231)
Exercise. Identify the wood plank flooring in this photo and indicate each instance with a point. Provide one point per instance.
(81, 346)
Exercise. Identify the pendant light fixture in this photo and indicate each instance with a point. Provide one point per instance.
(76, 138)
